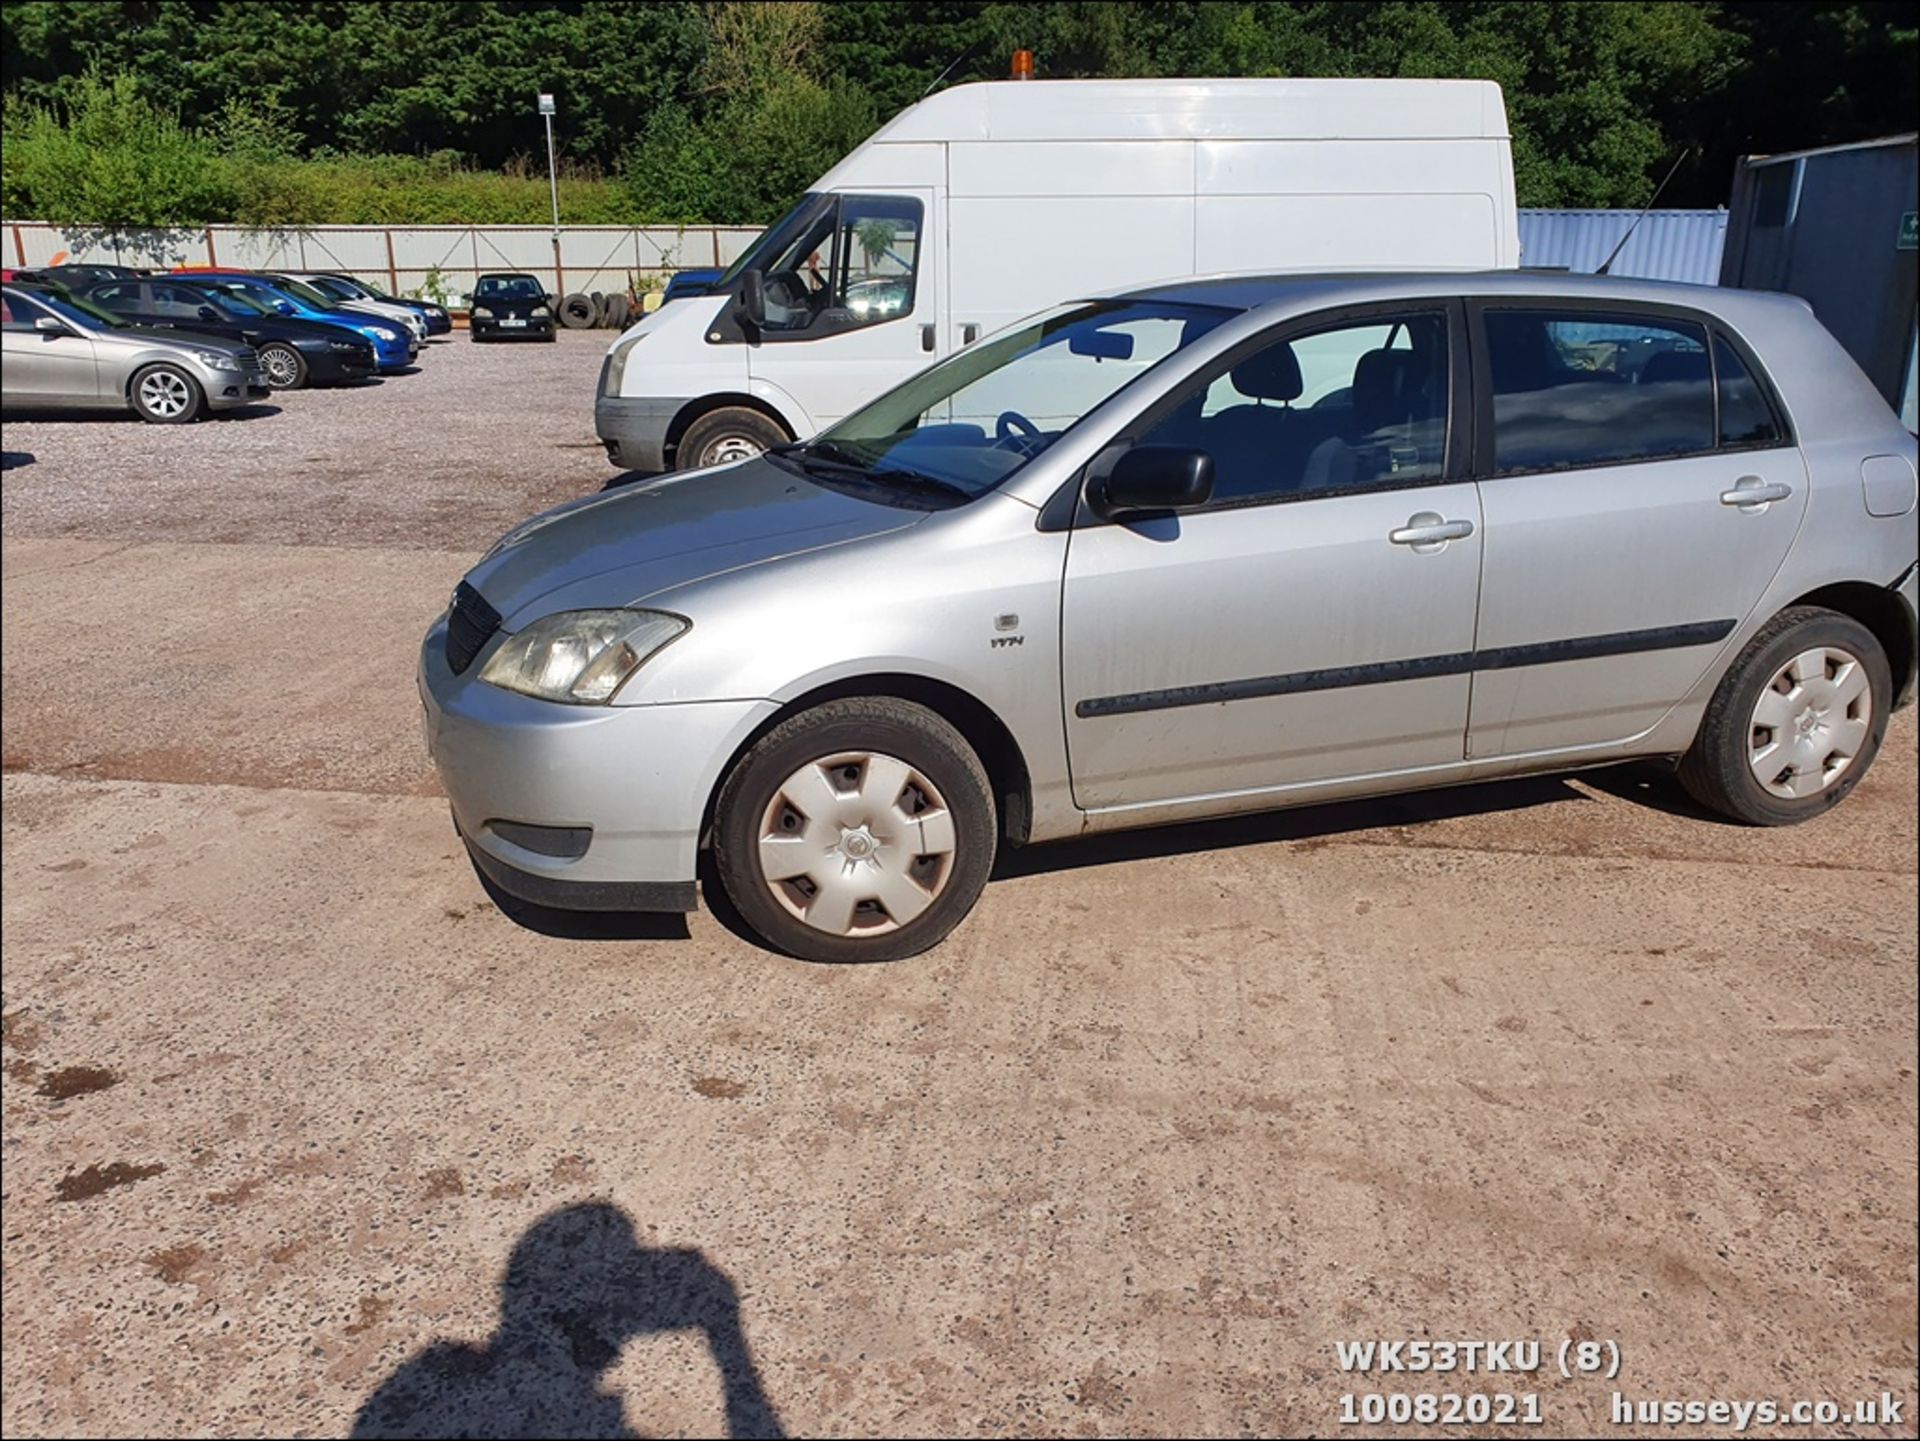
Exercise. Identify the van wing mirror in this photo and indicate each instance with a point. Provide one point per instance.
(1153, 478)
(753, 297)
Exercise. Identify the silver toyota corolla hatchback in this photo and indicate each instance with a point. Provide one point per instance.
(1219, 546)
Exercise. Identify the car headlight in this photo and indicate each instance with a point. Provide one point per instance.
(540, 310)
(434, 312)
(581, 657)
(380, 332)
(214, 360)
(480, 312)
(617, 364)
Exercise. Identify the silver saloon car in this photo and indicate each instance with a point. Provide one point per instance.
(1219, 546)
(60, 352)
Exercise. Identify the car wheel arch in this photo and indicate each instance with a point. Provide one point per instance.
(1881, 612)
(693, 410)
(977, 722)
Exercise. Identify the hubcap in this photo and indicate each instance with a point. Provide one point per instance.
(280, 366)
(164, 394)
(729, 448)
(1810, 723)
(856, 843)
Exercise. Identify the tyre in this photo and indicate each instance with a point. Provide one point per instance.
(614, 312)
(728, 434)
(599, 308)
(576, 312)
(166, 395)
(1795, 723)
(285, 366)
(861, 830)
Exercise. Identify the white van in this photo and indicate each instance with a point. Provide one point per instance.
(988, 202)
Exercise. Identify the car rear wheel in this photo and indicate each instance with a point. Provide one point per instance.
(285, 366)
(725, 435)
(1795, 723)
(861, 830)
(166, 395)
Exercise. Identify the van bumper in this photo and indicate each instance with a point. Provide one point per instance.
(634, 430)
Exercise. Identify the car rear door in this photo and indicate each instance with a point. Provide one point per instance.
(1640, 491)
(1314, 623)
(45, 367)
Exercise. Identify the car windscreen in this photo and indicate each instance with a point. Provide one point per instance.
(81, 312)
(777, 237)
(300, 291)
(335, 289)
(231, 301)
(964, 426)
(508, 287)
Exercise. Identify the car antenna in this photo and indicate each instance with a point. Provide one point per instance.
(951, 68)
(1652, 201)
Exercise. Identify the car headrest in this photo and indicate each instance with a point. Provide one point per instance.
(1671, 365)
(1270, 374)
(1382, 382)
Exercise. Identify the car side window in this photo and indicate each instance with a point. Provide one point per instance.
(1746, 420)
(123, 297)
(878, 249)
(21, 314)
(176, 302)
(1347, 407)
(1589, 388)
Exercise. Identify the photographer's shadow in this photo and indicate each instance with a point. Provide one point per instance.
(577, 1288)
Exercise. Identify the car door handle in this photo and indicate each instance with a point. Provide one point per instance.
(1430, 531)
(1750, 492)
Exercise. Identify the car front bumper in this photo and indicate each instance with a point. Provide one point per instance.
(325, 365)
(634, 430)
(229, 389)
(636, 778)
(532, 328)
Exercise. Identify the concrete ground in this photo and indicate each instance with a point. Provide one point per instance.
(302, 1134)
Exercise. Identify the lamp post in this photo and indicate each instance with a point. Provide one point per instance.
(553, 184)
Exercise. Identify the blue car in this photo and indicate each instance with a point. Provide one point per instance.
(393, 346)
(345, 288)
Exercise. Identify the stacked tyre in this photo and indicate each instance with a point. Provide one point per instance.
(589, 311)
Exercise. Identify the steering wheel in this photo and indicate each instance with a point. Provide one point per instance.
(1012, 425)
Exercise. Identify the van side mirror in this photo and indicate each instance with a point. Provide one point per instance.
(1152, 478)
(48, 326)
(753, 297)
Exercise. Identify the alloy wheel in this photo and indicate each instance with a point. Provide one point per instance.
(165, 394)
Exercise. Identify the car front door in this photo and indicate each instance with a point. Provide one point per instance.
(1640, 491)
(1313, 623)
(45, 367)
(852, 307)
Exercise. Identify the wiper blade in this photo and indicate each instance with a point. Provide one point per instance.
(914, 480)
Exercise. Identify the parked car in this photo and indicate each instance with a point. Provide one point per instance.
(985, 202)
(393, 347)
(73, 276)
(66, 353)
(345, 288)
(301, 285)
(292, 352)
(1208, 547)
(509, 304)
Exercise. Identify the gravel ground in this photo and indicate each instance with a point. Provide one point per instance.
(447, 457)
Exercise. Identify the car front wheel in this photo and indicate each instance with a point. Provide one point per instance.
(166, 395)
(285, 367)
(861, 830)
(1795, 723)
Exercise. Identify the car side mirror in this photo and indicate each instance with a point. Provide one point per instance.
(285, 307)
(753, 297)
(50, 327)
(1152, 478)
(207, 312)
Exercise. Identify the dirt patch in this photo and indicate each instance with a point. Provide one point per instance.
(444, 1182)
(19, 1030)
(719, 1088)
(70, 1081)
(237, 1194)
(372, 1308)
(98, 1180)
(176, 1263)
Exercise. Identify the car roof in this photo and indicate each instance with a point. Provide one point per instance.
(508, 275)
(1293, 291)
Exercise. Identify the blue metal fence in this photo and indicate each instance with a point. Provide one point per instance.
(1680, 245)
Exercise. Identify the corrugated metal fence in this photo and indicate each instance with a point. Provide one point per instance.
(401, 257)
(1668, 245)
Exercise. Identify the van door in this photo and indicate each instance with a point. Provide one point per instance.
(852, 308)
(1641, 491)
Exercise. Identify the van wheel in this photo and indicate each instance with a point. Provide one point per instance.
(729, 434)
(285, 366)
(861, 830)
(1795, 723)
(166, 395)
